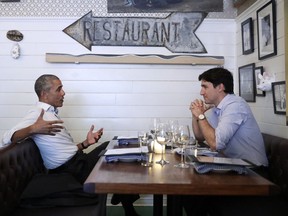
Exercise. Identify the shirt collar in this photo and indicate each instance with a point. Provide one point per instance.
(47, 107)
(222, 103)
(217, 111)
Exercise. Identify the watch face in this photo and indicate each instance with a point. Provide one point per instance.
(201, 116)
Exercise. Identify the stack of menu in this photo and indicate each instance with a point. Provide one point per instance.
(205, 164)
(125, 154)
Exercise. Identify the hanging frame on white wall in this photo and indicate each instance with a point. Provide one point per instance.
(257, 71)
(247, 82)
(279, 97)
(247, 36)
(266, 29)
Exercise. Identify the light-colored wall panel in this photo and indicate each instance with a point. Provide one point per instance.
(107, 72)
(122, 98)
(269, 122)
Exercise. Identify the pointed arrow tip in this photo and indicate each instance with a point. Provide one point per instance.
(73, 31)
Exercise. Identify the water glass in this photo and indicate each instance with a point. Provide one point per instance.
(191, 149)
(144, 142)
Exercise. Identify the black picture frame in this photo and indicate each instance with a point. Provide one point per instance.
(266, 30)
(247, 36)
(163, 6)
(247, 82)
(257, 71)
(279, 97)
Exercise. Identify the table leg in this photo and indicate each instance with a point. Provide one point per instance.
(174, 206)
(157, 205)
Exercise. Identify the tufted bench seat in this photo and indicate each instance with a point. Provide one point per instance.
(277, 154)
(19, 164)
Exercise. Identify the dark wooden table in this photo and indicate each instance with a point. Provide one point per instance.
(132, 178)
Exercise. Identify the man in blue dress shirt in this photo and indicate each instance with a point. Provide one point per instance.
(226, 123)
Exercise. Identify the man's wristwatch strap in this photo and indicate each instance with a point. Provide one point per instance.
(83, 146)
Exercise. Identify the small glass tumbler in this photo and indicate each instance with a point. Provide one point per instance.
(145, 143)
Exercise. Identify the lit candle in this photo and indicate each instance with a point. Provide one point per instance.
(195, 152)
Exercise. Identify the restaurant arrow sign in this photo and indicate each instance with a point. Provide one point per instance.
(176, 32)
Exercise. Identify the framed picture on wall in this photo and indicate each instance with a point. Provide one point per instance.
(279, 97)
(257, 71)
(247, 82)
(247, 36)
(163, 6)
(266, 29)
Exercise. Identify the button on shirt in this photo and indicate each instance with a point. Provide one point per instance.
(236, 130)
(55, 150)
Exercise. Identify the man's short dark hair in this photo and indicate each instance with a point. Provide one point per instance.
(43, 83)
(217, 76)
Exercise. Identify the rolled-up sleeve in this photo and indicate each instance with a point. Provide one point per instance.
(28, 120)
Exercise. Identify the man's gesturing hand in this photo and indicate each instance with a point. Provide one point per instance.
(93, 137)
(46, 127)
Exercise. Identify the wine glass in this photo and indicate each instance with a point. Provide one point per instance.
(172, 128)
(182, 138)
(162, 138)
(154, 126)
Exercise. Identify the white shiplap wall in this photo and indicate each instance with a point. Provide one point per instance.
(263, 108)
(120, 98)
(123, 98)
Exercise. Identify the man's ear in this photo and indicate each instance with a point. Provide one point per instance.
(42, 94)
(221, 87)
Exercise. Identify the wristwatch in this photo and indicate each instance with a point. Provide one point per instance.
(201, 117)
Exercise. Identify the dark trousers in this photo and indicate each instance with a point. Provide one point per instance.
(227, 205)
(81, 165)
